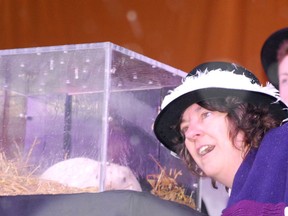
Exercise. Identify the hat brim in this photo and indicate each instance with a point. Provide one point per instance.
(269, 55)
(169, 117)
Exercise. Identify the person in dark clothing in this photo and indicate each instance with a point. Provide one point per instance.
(225, 125)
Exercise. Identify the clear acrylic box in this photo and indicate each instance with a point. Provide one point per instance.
(88, 101)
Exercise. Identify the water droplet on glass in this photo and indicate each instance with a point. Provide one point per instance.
(76, 71)
(51, 64)
(110, 118)
(113, 70)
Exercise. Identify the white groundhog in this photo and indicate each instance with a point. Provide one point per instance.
(84, 172)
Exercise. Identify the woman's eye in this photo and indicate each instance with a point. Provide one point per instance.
(283, 81)
(183, 130)
(206, 114)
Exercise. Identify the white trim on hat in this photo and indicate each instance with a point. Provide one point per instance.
(219, 79)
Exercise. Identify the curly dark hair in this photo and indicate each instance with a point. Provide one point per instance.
(253, 120)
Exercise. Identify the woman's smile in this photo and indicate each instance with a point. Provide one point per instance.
(205, 149)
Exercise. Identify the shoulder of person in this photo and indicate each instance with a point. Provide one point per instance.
(276, 137)
(279, 131)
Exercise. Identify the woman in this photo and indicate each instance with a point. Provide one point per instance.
(274, 58)
(226, 126)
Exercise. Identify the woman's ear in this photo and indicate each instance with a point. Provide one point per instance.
(239, 140)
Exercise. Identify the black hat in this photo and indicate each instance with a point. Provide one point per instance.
(269, 55)
(207, 81)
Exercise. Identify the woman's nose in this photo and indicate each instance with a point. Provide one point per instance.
(193, 132)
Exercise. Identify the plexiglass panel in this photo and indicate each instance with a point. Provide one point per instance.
(82, 115)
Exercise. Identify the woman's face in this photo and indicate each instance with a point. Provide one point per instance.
(283, 78)
(207, 140)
